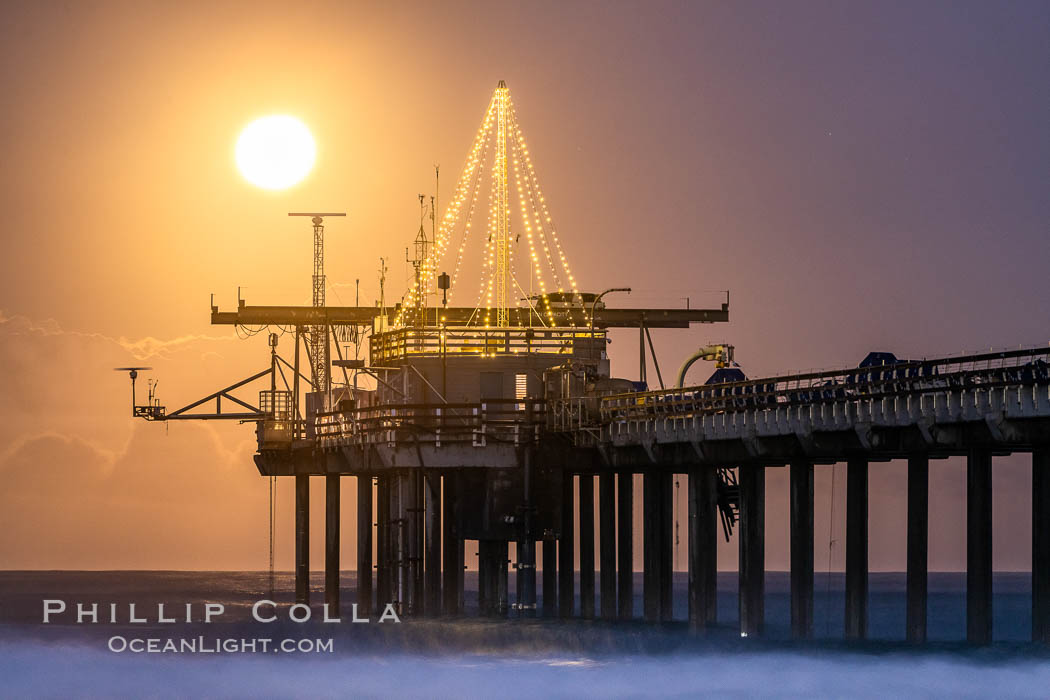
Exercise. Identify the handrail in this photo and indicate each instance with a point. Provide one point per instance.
(985, 370)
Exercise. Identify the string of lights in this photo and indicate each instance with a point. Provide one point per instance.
(500, 141)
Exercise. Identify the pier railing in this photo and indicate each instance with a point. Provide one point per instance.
(508, 421)
(402, 343)
(920, 377)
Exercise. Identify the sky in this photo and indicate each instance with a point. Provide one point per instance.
(860, 176)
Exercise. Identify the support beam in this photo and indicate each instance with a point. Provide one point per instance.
(918, 545)
(666, 546)
(432, 543)
(302, 539)
(625, 545)
(400, 583)
(607, 543)
(1041, 544)
(452, 545)
(802, 549)
(651, 547)
(702, 544)
(752, 550)
(979, 546)
(566, 555)
(384, 576)
(414, 512)
(856, 548)
(550, 578)
(364, 545)
(486, 579)
(502, 578)
(586, 508)
(526, 547)
(331, 543)
(493, 592)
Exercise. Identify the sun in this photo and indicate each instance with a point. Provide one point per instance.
(275, 152)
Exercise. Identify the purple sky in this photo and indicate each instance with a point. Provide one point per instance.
(861, 176)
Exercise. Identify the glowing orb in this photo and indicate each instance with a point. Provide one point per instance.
(275, 152)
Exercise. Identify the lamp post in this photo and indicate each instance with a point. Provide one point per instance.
(594, 305)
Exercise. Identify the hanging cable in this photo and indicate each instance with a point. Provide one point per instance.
(831, 543)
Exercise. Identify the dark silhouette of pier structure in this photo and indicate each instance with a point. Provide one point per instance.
(491, 422)
(487, 434)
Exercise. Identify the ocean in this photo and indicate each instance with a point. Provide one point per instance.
(514, 658)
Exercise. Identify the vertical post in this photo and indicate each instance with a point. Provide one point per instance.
(979, 546)
(586, 546)
(650, 547)
(752, 550)
(702, 546)
(502, 579)
(641, 351)
(492, 578)
(918, 545)
(331, 543)
(302, 539)
(384, 581)
(666, 546)
(418, 519)
(432, 542)
(709, 540)
(856, 547)
(1041, 544)
(452, 544)
(526, 550)
(364, 545)
(625, 545)
(401, 584)
(802, 549)
(486, 579)
(566, 563)
(550, 578)
(607, 541)
(408, 510)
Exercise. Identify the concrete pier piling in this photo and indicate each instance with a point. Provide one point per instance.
(586, 511)
(625, 545)
(666, 585)
(331, 542)
(703, 542)
(752, 550)
(1041, 544)
(452, 548)
(856, 547)
(650, 547)
(364, 545)
(658, 535)
(979, 546)
(302, 539)
(607, 543)
(550, 577)
(384, 575)
(432, 543)
(918, 546)
(493, 579)
(566, 554)
(801, 537)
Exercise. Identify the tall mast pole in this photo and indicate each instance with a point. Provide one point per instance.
(317, 336)
(502, 209)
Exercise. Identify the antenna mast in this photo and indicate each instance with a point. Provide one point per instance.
(318, 335)
(502, 209)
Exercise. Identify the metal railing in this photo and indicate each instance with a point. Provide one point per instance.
(986, 370)
(459, 341)
(511, 421)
